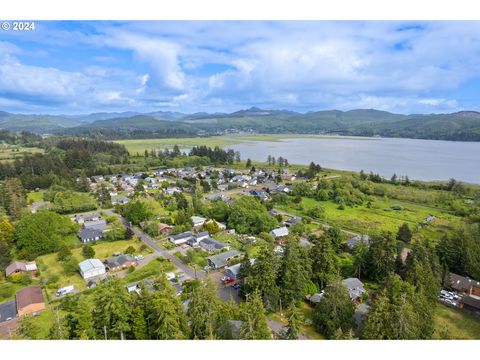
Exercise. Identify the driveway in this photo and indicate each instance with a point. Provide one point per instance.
(226, 292)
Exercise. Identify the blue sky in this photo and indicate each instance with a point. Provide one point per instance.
(190, 66)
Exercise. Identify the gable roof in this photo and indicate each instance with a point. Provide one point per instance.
(86, 234)
(472, 300)
(119, 260)
(220, 260)
(462, 283)
(90, 264)
(278, 232)
(212, 243)
(14, 266)
(29, 295)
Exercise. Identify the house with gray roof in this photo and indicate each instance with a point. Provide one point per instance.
(89, 235)
(355, 288)
(221, 260)
(353, 241)
(182, 238)
(212, 245)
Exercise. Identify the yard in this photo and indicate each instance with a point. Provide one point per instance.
(52, 270)
(153, 268)
(457, 324)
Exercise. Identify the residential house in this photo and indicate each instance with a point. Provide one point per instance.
(120, 262)
(198, 221)
(471, 302)
(233, 271)
(262, 195)
(355, 288)
(463, 284)
(172, 190)
(91, 267)
(212, 245)
(292, 221)
(279, 232)
(89, 235)
(29, 300)
(221, 260)
(181, 238)
(165, 229)
(120, 200)
(356, 239)
(20, 267)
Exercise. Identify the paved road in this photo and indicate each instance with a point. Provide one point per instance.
(198, 274)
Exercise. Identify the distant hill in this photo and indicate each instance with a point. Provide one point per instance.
(460, 126)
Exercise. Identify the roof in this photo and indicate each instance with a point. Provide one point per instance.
(281, 231)
(98, 224)
(234, 269)
(354, 287)
(198, 219)
(8, 310)
(472, 300)
(356, 239)
(29, 295)
(212, 243)
(462, 283)
(14, 266)
(90, 264)
(90, 233)
(183, 235)
(119, 260)
(202, 234)
(220, 260)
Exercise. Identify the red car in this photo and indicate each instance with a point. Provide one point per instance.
(227, 280)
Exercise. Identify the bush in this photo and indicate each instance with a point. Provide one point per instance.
(20, 279)
(130, 250)
(88, 252)
(64, 253)
(70, 266)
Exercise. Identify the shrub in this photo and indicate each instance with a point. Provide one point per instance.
(130, 250)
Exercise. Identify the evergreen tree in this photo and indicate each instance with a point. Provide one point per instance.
(88, 252)
(404, 233)
(13, 197)
(203, 311)
(295, 318)
(64, 253)
(381, 256)
(293, 273)
(254, 326)
(139, 324)
(360, 257)
(324, 266)
(334, 311)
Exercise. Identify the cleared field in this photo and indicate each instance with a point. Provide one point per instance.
(456, 323)
(10, 152)
(380, 216)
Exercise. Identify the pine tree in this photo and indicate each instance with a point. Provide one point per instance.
(295, 318)
(139, 324)
(324, 266)
(360, 257)
(381, 256)
(293, 273)
(334, 311)
(203, 311)
(254, 326)
(88, 252)
(404, 233)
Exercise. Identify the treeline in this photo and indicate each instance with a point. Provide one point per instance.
(22, 138)
(153, 315)
(63, 162)
(216, 155)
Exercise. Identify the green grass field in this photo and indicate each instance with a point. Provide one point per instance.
(50, 266)
(458, 324)
(10, 152)
(33, 196)
(363, 219)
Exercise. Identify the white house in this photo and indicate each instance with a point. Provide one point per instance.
(198, 221)
(279, 232)
(91, 268)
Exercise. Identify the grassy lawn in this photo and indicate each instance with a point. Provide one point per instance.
(196, 258)
(50, 266)
(459, 324)
(153, 268)
(379, 217)
(8, 290)
(33, 196)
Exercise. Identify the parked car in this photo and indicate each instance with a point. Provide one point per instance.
(227, 280)
(139, 257)
(65, 290)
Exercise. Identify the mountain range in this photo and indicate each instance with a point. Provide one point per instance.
(459, 126)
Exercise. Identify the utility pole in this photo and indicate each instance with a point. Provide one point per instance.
(105, 331)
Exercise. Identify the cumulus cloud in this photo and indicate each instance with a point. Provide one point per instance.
(406, 67)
